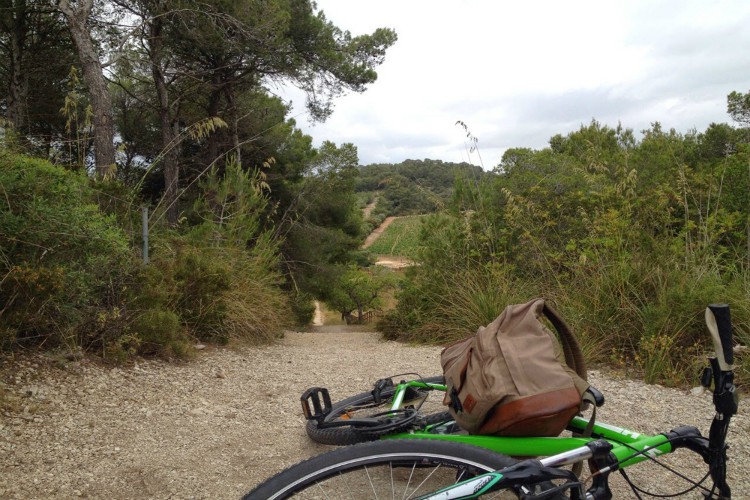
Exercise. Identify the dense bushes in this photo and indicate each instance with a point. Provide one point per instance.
(63, 263)
(632, 240)
(71, 278)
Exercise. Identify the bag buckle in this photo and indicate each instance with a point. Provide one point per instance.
(456, 401)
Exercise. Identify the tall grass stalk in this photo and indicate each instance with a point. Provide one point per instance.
(470, 300)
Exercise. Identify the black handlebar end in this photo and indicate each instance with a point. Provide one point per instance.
(724, 322)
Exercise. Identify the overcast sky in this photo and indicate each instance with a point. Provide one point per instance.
(519, 72)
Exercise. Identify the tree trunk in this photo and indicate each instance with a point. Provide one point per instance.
(234, 121)
(101, 101)
(14, 24)
(171, 165)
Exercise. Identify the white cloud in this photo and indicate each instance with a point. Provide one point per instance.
(519, 72)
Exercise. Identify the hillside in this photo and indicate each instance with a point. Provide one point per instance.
(414, 186)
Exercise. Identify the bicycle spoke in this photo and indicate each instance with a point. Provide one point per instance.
(322, 491)
(369, 479)
(408, 482)
(393, 486)
(425, 480)
(407, 469)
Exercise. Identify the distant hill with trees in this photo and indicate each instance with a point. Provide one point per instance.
(414, 187)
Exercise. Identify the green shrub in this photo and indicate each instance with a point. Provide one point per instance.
(303, 308)
(257, 310)
(63, 262)
(157, 331)
(202, 280)
(647, 314)
(190, 283)
(452, 305)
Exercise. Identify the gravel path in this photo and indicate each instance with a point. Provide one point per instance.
(217, 425)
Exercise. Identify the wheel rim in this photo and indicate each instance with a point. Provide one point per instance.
(386, 476)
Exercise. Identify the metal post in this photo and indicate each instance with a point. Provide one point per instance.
(144, 219)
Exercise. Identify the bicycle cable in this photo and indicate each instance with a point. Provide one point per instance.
(644, 451)
(636, 489)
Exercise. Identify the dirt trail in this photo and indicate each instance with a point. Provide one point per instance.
(318, 317)
(214, 427)
(369, 208)
(377, 232)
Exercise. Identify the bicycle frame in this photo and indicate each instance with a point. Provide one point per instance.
(625, 442)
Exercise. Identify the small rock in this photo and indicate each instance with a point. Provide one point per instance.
(220, 373)
(200, 347)
(697, 391)
(73, 355)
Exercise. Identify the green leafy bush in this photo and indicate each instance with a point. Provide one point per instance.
(303, 308)
(631, 240)
(69, 276)
(63, 262)
(157, 331)
(238, 294)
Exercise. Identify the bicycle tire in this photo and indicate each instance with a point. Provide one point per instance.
(408, 467)
(344, 436)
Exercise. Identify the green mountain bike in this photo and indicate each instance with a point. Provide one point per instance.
(421, 458)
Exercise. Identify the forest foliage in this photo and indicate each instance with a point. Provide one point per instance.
(631, 238)
(113, 106)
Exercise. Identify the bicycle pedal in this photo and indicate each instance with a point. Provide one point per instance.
(380, 386)
(321, 403)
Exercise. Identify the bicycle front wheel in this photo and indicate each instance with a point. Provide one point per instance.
(364, 405)
(399, 468)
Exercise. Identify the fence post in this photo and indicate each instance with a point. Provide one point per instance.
(144, 221)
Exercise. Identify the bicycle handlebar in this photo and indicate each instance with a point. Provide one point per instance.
(719, 323)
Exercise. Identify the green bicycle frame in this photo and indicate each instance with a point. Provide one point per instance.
(629, 447)
(398, 399)
(625, 442)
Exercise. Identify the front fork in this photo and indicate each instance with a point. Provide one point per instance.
(726, 402)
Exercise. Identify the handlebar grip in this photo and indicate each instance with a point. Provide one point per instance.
(719, 323)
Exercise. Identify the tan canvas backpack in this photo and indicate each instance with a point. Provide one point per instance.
(513, 378)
